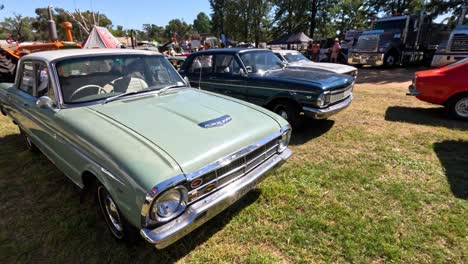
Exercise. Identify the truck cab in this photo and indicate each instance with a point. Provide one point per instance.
(397, 40)
(455, 49)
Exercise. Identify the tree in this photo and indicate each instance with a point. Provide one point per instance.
(202, 23)
(154, 32)
(453, 8)
(218, 8)
(119, 31)
(178, 28)
(19, 27)
(393, 7)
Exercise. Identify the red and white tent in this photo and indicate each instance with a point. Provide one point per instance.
(100, 37)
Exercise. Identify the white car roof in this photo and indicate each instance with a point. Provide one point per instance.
(65, 53)
(282, 52)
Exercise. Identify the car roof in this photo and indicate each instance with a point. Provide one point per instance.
(285, 51)
(228, 50)
(65, 53)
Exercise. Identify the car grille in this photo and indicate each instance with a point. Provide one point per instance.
(224, 175)
(459, 42)
(338, 95)
(368, 43)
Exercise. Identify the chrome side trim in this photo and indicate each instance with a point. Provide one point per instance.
(260, 87)
(205, 209)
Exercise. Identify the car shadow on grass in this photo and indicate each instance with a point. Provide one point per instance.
(311, 129)
(435, 116)
(80, 222)
(454, 158)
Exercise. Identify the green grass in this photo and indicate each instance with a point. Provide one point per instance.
(363, 187)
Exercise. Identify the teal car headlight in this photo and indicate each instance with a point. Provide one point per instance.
(284, 140)
(170, 204)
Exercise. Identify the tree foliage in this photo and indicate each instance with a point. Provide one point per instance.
(178, 28)
(202, 24)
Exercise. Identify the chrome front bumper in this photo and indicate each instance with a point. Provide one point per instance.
(413, 91)
(206, 208)
(373, 59)
(322, 113)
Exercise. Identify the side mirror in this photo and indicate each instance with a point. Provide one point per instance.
(249, 69)
(187, 81)
(243, 73)
(44, 102)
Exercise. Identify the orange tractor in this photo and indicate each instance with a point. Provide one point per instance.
(9, 56)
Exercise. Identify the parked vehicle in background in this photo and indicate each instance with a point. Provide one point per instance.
(259, 77)
(296, 60)
(398, 40)
(162, 158)
(349, 42)
(446, 86)
(456, 48)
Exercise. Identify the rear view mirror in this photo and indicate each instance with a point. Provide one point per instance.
(249, 69)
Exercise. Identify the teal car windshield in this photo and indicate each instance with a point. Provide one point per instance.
(88, 79)
(295, 57)
(261, 61)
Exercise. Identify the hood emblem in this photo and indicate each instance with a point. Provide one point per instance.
(217, 122)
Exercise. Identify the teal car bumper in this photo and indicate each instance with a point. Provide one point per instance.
(208, 207)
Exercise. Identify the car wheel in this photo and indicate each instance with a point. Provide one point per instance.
(116, 222)
(458, 107)
(28, 142)
(290, 112)
(390, 60)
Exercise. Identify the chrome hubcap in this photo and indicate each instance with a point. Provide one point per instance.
(112, 212)
(283, 114)
(461, 107)
(390, 60)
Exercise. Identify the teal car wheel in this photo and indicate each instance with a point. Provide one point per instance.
(114, 219)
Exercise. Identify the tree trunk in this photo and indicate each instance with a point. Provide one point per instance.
(313, 15)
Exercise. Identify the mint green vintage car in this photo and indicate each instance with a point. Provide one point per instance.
(161, 157)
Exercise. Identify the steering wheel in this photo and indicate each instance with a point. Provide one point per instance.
(100, 89)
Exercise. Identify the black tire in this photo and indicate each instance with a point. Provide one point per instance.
(457, 106)
(28, 142)
(390, 60)
(7, 68)
(119, 227)
(290, 112)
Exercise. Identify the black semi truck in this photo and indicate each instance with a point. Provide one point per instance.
(399, 40)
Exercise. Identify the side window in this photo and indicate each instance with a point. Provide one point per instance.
(226, 64)
(42, 80)
(203, 63)
(27, 78)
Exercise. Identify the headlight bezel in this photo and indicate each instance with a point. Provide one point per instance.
(154, 213)
(284, 140)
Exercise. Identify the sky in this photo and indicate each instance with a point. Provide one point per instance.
(130, 14)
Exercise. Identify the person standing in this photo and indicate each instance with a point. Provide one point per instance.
(315, 51)
(335, 51)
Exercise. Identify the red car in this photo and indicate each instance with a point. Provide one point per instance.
(446, 86)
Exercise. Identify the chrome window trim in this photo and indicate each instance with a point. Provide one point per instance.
(180, 178)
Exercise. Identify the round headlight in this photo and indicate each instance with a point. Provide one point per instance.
(320, 100)
(284, 141)
(169, 204)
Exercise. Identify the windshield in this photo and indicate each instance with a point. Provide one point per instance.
(295, 57)
(261, 61)
(457, 63)
(87, 79)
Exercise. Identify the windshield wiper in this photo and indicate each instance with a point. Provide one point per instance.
(116, 97)
(162, 90)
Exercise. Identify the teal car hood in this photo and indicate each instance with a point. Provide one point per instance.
(172, 122)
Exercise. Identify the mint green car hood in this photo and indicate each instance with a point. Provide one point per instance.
(171, 121)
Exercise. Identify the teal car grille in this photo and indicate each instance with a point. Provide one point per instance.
(222, 176)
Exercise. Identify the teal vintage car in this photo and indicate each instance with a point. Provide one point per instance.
(161, 157)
